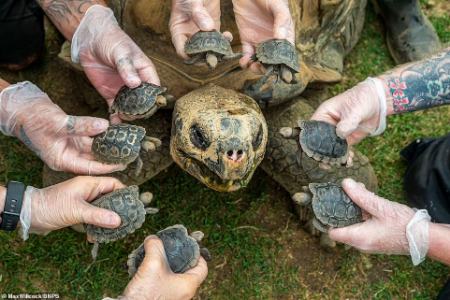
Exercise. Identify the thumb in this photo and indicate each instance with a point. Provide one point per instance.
(155, 258)
(346, 127)
(201, 16)
(101, 217)
(85, 126)
(283, 24)
(365, 199)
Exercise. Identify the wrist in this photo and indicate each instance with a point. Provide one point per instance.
(388, 95)
(3, 84)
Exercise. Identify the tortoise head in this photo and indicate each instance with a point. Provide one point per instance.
(219, 136)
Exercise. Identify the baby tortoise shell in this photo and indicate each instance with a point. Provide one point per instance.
(211, 46)
(319, 140)
(127, 204)
(280, 57)
(121, 144)
(140, 102)
(332, 207)
(182, 250)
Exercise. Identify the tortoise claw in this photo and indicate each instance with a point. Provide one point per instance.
(289, 132)
(151, 210)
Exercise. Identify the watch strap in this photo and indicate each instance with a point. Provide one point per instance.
(13, 205)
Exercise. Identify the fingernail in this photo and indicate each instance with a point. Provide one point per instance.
(114, 219)
(350, 183)
(282, 33)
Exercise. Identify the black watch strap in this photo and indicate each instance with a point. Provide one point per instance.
(13, 205)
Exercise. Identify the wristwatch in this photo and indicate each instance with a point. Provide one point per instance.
(13, 205)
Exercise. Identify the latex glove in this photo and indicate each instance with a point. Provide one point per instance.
(155, 280)
(357, 112)
(261, 20)
(109, 57)
(190, 16)
(67, 204)
(391, 228)
(63, 142)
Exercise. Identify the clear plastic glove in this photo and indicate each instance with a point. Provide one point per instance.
(261, 20)
(66, 204)
(384, 231)
(63, 142)
(357, 112)
(190, 16)
(155, 280)
(109, 57)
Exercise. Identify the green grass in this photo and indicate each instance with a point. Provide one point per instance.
(259, 251)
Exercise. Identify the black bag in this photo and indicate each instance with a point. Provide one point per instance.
(427, 179)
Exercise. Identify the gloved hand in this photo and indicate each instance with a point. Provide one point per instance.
(67, 204)
(357, 112)
(155, 280)
(390, 228)
(261, 20)
(109, 57)
(63, 142)
(190, 16)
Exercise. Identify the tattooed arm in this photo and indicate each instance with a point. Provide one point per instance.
(418, 85)
(67, 14)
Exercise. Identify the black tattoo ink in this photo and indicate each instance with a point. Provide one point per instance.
(27, 141)
(63, 11)
(70, 125)
(422, 85)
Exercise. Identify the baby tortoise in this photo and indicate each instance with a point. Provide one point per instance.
(130, 206)
(121, 144)
(280, 58)
(209, 46)
(331, 206)
(182, 250)
(140, 102)
(319, 141)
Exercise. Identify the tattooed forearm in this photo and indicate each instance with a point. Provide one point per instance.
(67, 14)
(420, 85)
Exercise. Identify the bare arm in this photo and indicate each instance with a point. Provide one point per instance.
(439, 248)
(3, 84)
(418, 85)
(67, 14)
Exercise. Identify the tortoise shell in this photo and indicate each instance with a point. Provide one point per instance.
(208, 41)
(182, 251)
(320, 138)
(278, 52)
(119, 144)
(138, 101)
(332, 207)
(125, 202)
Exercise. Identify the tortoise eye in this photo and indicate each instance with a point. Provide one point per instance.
(199, 138)
(257, 140)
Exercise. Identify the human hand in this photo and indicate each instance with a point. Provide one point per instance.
(190, 16)
(63, 142)
(357, 112)
(109, 57)
(67, 204)
(261, 20)
(155, 280)
(385, 228)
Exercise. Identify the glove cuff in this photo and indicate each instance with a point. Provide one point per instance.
(92, 21)
(12, 99)
(25, 214)
(417, 234)
(381, 95)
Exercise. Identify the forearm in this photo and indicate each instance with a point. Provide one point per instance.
(418, 85)
(3, 84)
(67, 14)
(2, 199)
(439, 247)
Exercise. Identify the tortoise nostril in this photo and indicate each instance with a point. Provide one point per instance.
(235, 155)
